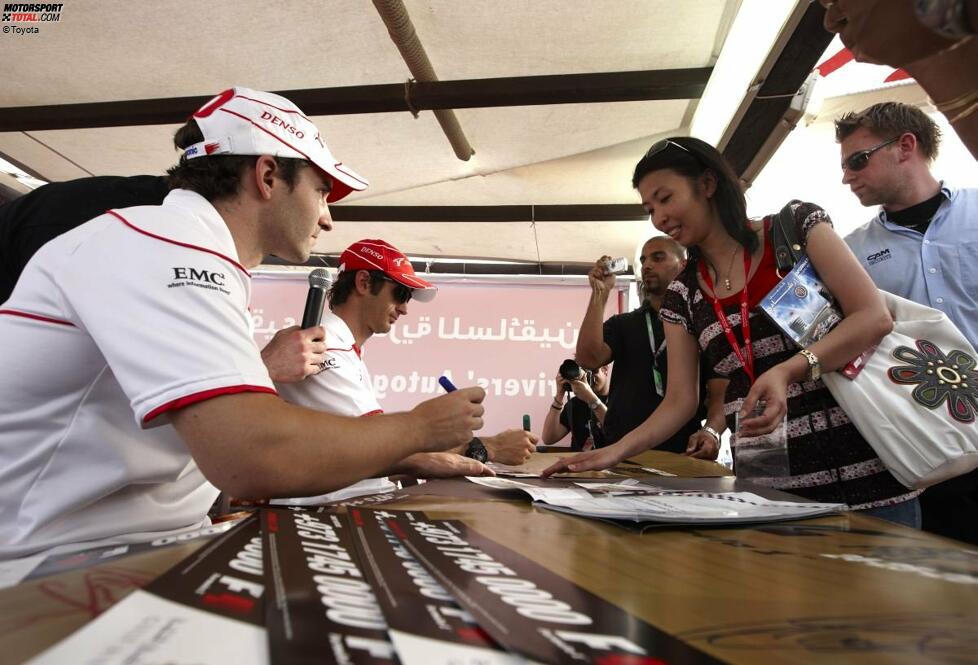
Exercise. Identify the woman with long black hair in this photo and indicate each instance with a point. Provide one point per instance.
(693, 196)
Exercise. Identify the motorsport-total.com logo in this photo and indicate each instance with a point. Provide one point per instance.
(31, 12)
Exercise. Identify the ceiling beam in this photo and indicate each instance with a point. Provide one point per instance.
(385, 98)
(797, 59)
(457, 266)
(611, 212)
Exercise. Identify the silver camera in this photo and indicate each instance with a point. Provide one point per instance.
(616, 266)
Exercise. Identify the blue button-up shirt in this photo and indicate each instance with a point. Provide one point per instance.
(938, 268)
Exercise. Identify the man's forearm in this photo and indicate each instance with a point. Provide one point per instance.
(948, 76)
(256, 445)
(600, 411)
(590, 342)
(553, 431)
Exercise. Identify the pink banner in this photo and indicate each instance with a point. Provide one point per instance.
(508, 338)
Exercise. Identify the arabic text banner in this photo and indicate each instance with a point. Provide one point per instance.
(508, 338)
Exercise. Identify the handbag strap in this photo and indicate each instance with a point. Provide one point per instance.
(787, 248)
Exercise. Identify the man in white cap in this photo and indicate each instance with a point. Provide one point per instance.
(131, 378)
(371, 292)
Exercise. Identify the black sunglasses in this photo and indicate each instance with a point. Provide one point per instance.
(402, 294)
(857, 161)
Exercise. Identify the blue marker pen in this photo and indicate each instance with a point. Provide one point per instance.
(447, 384)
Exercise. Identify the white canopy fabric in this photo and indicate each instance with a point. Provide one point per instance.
(114, 50)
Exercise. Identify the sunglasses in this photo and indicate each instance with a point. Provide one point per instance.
(402, 294)
(659, 146)
(857, 161)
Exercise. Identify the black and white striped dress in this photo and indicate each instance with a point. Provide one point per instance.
(829, 459)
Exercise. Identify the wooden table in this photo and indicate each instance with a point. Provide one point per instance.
(841, 589)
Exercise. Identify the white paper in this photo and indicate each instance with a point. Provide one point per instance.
(511, 471)
(658, 472)
(538, 493)
(498, 483)
(632, 500)
(144, 629)
(14, 570)
(621, 487)
(418, 650)
(692, 508)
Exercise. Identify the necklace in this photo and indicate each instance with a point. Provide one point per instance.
(726, 280)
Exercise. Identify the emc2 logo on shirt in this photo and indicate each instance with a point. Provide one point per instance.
(200, 278)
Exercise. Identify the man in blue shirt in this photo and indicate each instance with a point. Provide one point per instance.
(922, 245)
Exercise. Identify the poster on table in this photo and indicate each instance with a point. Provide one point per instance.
(320, 608)
(60, 563)
(426, 625)
(529, 609)
(206, 610)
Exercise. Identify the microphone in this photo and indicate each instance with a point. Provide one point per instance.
(319, 283)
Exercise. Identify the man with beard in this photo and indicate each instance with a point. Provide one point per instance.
(635, 342)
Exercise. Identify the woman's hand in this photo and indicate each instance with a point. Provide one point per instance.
(771, 389)
(702, 445)
(597, 459)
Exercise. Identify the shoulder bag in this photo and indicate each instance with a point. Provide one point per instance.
(916, 398)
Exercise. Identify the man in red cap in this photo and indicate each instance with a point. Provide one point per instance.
(374, 284)
(133, 390)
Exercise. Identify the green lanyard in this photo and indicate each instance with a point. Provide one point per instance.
(660, 388)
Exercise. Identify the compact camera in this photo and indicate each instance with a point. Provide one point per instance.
(616, 266)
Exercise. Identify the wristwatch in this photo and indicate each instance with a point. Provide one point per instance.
(814, 366)
(712, 432)
(477, 450)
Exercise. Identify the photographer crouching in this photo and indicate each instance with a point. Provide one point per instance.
(583, 414)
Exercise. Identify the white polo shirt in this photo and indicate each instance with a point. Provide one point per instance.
(112, 326)
(342, 388)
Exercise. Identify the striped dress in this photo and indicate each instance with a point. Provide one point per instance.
(829, 460)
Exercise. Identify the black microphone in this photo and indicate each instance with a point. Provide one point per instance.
(319, 283)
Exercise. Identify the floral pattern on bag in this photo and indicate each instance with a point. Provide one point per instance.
(951, 378)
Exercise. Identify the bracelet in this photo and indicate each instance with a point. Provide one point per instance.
(712, 432)
(556, 405)
(958, 102)
(965, 113)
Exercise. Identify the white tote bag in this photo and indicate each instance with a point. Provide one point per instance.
(916, 399)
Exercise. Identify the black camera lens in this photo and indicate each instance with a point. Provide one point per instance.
(570, 370)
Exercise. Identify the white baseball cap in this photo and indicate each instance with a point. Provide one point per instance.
(241, 121)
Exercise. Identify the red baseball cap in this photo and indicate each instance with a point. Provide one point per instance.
(371, 254)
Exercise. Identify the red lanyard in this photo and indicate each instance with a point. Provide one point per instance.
(748, 362)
